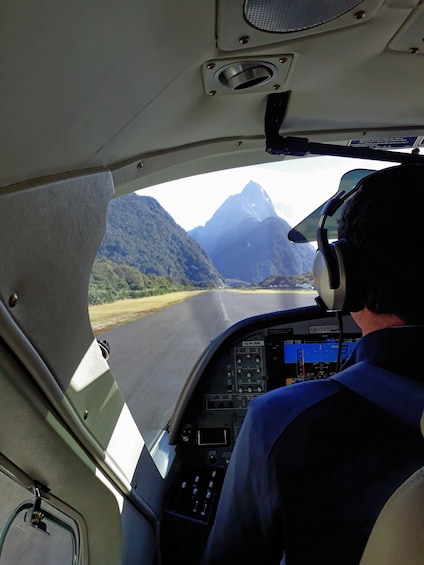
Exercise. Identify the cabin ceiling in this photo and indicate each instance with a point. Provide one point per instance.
(180, 87)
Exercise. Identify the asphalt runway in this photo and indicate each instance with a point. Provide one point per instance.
(151, 358)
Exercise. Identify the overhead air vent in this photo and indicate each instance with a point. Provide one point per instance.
(241, 76)
(247, 75)
(287, 16)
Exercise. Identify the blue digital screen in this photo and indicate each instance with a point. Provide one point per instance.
(316, 352)
(314, 360)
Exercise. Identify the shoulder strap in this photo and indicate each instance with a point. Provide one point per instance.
(396, 394)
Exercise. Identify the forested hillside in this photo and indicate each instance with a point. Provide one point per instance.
(110, 282)
(145, 252)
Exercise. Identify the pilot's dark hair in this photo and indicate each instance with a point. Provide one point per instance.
(383, 224)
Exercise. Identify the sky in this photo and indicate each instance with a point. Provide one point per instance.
(296, 188)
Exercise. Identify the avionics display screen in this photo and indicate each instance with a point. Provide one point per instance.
(308, 360)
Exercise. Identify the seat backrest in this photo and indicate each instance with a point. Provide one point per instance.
(397, 537)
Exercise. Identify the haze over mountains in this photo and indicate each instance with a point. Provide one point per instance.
(244, 242)
(247, 240)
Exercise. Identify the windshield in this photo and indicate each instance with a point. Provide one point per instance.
(183, 261)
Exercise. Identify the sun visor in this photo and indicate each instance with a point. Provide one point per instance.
(306, 230)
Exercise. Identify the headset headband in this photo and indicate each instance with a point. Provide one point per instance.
(329, 209)
(332, 261)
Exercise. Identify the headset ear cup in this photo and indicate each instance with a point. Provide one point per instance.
(354, 280)
(330, 277)
(338, 277)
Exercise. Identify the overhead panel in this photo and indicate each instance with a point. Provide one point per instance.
(242, 24)
(277, 16)
(410, 37)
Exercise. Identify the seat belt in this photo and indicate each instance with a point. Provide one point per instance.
(397, 395)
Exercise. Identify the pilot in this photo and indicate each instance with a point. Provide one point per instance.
(315, 461)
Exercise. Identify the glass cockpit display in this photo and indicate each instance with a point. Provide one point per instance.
(305, 360)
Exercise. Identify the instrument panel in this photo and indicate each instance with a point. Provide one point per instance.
(253, 357)
(251, 366)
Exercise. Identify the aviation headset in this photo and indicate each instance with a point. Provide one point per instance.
(336, 273)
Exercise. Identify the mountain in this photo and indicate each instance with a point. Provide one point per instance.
(244, 241)
(141, 234)
(247, 240)
(236, 214)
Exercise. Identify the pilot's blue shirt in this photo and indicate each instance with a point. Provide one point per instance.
(315, 462)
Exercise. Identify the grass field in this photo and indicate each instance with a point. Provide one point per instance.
(104, 317)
